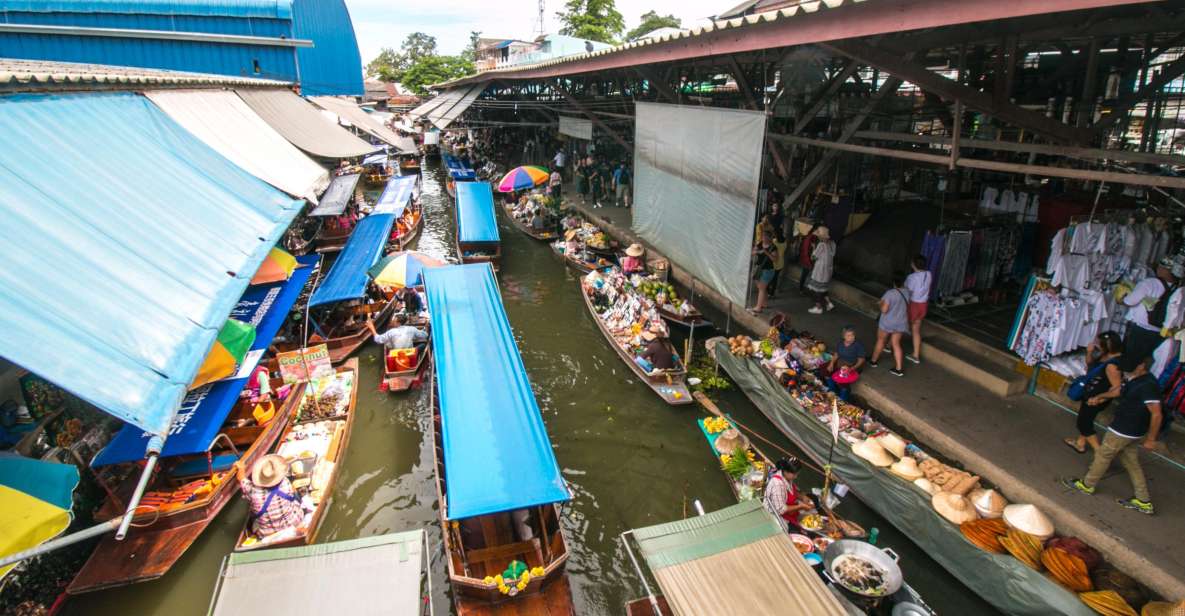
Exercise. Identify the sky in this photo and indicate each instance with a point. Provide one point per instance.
(385, 23)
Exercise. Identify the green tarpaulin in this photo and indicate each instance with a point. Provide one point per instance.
(1001, 580)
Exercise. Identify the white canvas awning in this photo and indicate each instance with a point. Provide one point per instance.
(355, 115)
(303, 124)
(444, 109)
(222, 120)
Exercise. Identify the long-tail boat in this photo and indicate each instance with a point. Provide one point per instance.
(497, 479)
(458, 170)
(401, 378)
(377, 168)
(316, 439)
(401, 198)
(549, 233)
(342, 303)
(213, 429)
(333, 230)
(409, 164)
(477, 228)
(670, 385)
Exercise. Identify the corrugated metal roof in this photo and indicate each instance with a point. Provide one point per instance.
(275, 9)
(24, 75)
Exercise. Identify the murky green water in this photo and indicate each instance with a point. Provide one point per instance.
(631, 460)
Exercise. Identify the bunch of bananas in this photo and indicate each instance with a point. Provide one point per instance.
(716, 424)
(1107, 603)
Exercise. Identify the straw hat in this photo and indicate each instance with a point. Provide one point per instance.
(956, 509)
(925, 484)
(635, 250)
(729, 440)
(871, 450)
(989, 503)
(1028, 518)
(1163, 608)
(269, 471)
(907, 469)
(893, 443)
(649, 336)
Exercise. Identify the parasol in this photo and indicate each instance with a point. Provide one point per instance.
(276, 267)
(520, 178)
(35, 502)
(402, 269)
(234, 340)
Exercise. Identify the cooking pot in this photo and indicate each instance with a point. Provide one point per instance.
(885, 559)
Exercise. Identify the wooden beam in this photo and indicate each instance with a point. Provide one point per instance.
(1028, 148)
(824, 95)
(1125, 103)
(1086, 103)
(738, 75)
(591, 116)
(660, 86)
(951, 90)
(920, 157)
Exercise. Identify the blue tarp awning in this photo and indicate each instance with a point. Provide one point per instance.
(396, 195)
(337, 196)
(497, 456)
(475, 213)
(458, 168)
(204, 410)
(127, 241)
(347, 278)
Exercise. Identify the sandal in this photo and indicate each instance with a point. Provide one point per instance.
(1072, 444)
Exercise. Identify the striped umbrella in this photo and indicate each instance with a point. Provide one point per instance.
(277, 266)
(234, 340)
(35, 502)
(403, 269)
(520, 178)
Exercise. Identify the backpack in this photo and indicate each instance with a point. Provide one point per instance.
(1157, 314)
(1087, 385)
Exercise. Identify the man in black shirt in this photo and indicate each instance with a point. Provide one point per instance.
(1137, 418)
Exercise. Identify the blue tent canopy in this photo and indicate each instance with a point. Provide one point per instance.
(347, 278)
(205, 409)
(124, 255)
(337, 196)
(458, 168)
(475, 213)
(396, 195)
(497, 456)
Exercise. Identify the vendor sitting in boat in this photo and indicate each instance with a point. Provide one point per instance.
(538, 221)
(402, 336)
(657, 353)
(633, 262)
(409, 301)
(274, 505)
(781, 494)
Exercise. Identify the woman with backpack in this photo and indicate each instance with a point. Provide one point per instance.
(1102, 382)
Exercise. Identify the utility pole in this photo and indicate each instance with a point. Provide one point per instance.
(539, 31)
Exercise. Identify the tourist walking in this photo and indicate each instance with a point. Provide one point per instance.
(1137, 420)
(582, 182)
(806, 257)
(766, 255)
(621, 186)
(892, 325)
(918, 285)
(1148, 302)
(555, 184)
(823, 257)
(1101, 384)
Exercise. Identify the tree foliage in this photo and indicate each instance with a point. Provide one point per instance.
(434, 69)
(470, 52)
(652, 21)
(418, 65)
(595, 20)
(386, 66)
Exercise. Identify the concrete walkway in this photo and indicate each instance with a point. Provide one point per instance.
(1012, 441)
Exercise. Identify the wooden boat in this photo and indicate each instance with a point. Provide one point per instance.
(694, 317)
(450, 186)
(670, 385)
(577, 263)
(378, 176)
(330, 238)
(409, 227)
(546, 235)
(345, 339)
(164, 534)
(409, 165)
(480, 252)
(403, 380)
(339, 427)
(545, 595)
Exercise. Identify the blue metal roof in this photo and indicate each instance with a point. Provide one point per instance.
(475, 213)
(124, 257)
(458, 168)
(204, 409)
(275, 9)
(347, 278)
(396, 195)
(497, 456)
(332, 66)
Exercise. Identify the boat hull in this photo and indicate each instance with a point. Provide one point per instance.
(549, 235)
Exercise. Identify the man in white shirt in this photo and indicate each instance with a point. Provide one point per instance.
(402, 336)
(918, 285)
(1144, 320)
(558, 161)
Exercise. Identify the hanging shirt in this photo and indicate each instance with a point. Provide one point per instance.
(1072, 271)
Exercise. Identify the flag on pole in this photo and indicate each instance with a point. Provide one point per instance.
(834, 422)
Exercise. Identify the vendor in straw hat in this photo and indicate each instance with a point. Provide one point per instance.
(633, 262)
(781, 494)
(274, 504)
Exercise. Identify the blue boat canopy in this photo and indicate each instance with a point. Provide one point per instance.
(205, 409)
(347, 278)
(337, 196)
(497, 456)
(475, 213)
(458, 168)
(396, 195)
(124, 256)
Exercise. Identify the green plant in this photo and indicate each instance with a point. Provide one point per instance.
(737, 464)
(703, 369)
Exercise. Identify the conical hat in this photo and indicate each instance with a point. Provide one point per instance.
(729, 440)
(956, 509)
(871, 450)
(893, 443)
(925, 484)
(989, 503)
(1028, 518)
(906, 468)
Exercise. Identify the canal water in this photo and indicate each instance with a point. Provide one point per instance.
(630, 459)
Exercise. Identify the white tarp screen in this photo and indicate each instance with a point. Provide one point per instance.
(697, 172)
(222, 120)
(579, 128)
